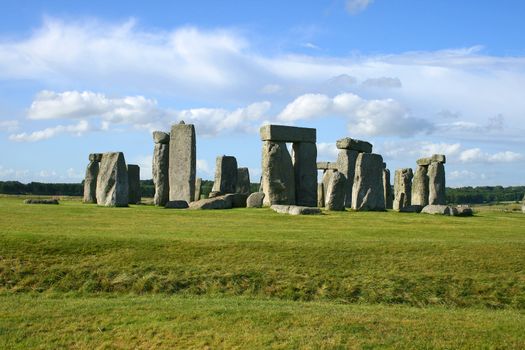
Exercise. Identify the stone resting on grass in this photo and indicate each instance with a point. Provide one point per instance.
(182, 162)
(90, 181)
(112, 181)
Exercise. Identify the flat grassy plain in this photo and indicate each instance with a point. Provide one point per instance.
(82, 276)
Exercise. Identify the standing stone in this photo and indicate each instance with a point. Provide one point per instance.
(335, 194)
(112, 181)
(402, 188)
(278, 180)
(160, 168)
(243, 181)
(90, 181)
(346, 160)
(387, 188)
(327, 176)
(182, 162)
(436, 179)
(420, 186)
(367, 193)
(255, 200)
(225, 175)
(320, 195)
(134, 191)
(198, 184)
(305, 170)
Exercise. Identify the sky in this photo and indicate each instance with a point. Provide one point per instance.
(412, 77)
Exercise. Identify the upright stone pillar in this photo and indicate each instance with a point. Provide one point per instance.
(90, 181)
(327, 177)
(367, 193)
(243, 181)
(198, 185)
(420, 185)
(403, 188)
(134, 191)
(305, 170)
(335, 194)
(183, 162)
(436, 179)
(387, 188)
(225, 175)
(346, 160)
(160, 167)
(278, 181)
(112, 181)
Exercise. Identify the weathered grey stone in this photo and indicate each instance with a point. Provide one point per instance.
(95, 157)
(160, 172)
(438, 209)
(320, 195)
(90, 180)
(278, 181)
(161, 137)
(305, 171)
(282, 133)
(335, 194)
(346, 160)
(198, 185)
(402, 188)
(464, 210)
(353, 144)
(327, 175)
(436, 181)
(295, 209)
(255, 200)
(134, 191)
(176, 205)
(182, 163)
(225, 174)
(420, 185)
(326, 165)
(243, 181)
(387, 189)
(214, 194)
(424, 161)
(112, 181)
(440, 158)
(41, 201)
(411, 209)
(367, 193)
(238, 199)
(222, 202)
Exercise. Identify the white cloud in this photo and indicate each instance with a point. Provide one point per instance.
(473, 155)
(203, 166)
(326, 152)
(9, 125)
(356, 6)
(76, 129)
(383, 82)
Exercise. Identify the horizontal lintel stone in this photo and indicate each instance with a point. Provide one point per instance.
(353, 144)
(283, 133)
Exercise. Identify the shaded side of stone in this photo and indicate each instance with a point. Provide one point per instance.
(305, 171)
(387, 188)
(134, 191)
(90, 181)
(243, 181)
(225, 174)
(198, 185)
(346, 160)
(176, 205)
(355, 145)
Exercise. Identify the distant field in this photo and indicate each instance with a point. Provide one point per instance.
(84, 276)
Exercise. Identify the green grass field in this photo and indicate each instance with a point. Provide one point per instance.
(82, 276)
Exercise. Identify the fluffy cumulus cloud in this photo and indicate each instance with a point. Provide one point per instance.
(385, 117)
(476, 155)
(75, 129)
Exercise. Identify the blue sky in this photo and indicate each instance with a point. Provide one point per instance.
(412, 77)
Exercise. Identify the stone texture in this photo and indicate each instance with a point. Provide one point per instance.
(464, 210)
(176, 205)
(326, 165)
(255, 200)
(327, 175)
(161, 137)
(355, 145)
(402, 188)
(90, 180)
(440, 158)
(436, 183)
(222, 202)
(335, 194)
(278, 181)
(41, 201)
(346, 160)
(198, 185)
(411, 209)
(214, 194)
(160, 173)
(225, 174)
(243, 181)
(282, 133)
(320, 195)
(387, 189)
(305, 171)
(295, 209)
(134, 191)
(420, 186)
(182, 162)
(238, 199)
(437, 209)
(112, 180)
(424, 161)
(367, 192)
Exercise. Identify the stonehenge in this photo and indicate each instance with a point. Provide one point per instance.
(160, 167)
(198, 185)
(429, 181)
(436, 180)
(243, 181)
(255, 200)
(112, 181)
(182, 162)
(90, 181)
(387, 188)
(402, 188)
(285, 181)
(336, 191)
(134, 192)
(367, 190)
(349, 149)
(225, 175)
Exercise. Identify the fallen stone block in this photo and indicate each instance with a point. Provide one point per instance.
(222, 202)
(255, 200)
(41, 201)
(295, 209)
(411, 209)
(438, 209)
(464, 210)
(176, 205)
